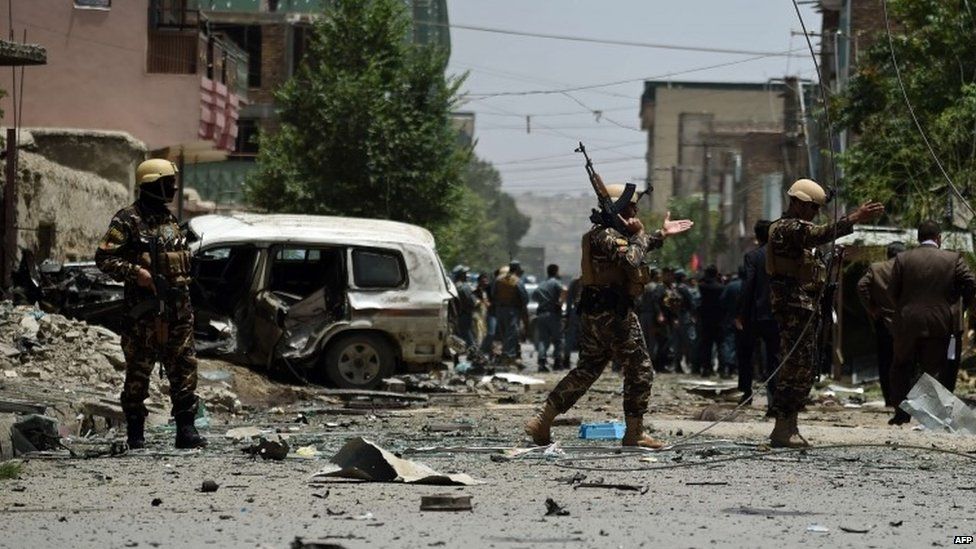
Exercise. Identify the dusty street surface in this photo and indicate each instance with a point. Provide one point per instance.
(697, 497)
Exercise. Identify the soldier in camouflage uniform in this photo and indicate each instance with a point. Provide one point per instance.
(145, 248)
(797, 278)
(614, 275)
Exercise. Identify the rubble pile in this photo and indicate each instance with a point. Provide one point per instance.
(67, 355)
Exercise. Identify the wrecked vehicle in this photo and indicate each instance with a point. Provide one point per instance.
(348, 300)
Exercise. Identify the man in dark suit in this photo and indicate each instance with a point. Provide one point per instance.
(926, 286)
(874, 294)
(754, 320)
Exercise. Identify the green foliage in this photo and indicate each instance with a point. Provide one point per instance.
(10, 470)
(935, 46)
(677, 251)
(365, 125)
(487, 227)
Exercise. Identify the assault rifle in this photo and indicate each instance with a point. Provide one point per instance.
(157, 304)
(824, 355)
(609, 213)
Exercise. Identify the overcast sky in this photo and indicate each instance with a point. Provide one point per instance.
(500, 63)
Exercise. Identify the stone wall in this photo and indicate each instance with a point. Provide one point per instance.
(111, 155)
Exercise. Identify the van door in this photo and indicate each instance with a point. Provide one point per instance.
(222, 279)
(305, 292)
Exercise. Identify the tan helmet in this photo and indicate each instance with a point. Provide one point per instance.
(807, 190)
(615, 190)
(153, 169)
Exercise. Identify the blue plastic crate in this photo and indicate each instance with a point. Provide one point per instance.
(602, 431)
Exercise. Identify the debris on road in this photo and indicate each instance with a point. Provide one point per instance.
(599, 483)
(361, 459)
(818, 529)
(209, 486)
(706, 388)
(602, 431)
(445, 502)
(553, 509)
(270, 447)
(938, 409)
(851, 530)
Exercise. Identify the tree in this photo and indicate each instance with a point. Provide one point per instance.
(934, 42)
(488, 226)
(677, 251)
(365, 125)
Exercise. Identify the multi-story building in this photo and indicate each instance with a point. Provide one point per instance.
(144, 67)
(275, 34)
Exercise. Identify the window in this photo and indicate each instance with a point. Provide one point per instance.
(378, 269)
(93, 4)
(301, 271)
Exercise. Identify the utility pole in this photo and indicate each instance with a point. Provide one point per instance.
(706, 231)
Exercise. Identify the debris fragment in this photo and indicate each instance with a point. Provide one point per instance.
(270, 447)
(612, 486)
(602, 431)
(156, 502)
(554, 509)
(243, 433)
(445, 502)
(307, 452)
(209, 486)
(938, 409)
(362, 459)
(818, 529)
(851, 530)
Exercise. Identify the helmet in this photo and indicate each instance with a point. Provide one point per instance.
(807, 190)
(153, 169)
(616, 190)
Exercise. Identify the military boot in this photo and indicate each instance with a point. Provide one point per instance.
(135, 426)
(783, 435)
(186, 433)
(795, 429)
(634, 435)
(540, 426)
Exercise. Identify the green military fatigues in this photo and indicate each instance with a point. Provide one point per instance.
(797, 277)
(613, 276)
(167, 339)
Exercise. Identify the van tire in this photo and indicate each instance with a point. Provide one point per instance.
(359, 361)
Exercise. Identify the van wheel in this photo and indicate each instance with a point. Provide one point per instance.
(359, 361)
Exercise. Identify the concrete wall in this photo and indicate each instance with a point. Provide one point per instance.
(96, 74)
(72, 207)
(111, 155)
(661, 117)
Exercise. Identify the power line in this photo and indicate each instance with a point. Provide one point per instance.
(610, 41)
(534, 159)
(481, 96)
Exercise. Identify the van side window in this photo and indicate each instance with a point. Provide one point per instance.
(300, 271)
(378, 269)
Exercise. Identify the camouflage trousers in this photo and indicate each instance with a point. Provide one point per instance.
(176, 357)
(796, 376)
(603, 336)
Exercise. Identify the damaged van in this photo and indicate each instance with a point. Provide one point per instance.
(347, 300)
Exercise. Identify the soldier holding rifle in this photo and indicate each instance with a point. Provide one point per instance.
(614, 275)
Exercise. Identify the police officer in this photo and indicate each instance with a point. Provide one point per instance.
(549, 317)
(613, 276)
(797, 277)
(146, 249)
(511, 300)
(466, 305)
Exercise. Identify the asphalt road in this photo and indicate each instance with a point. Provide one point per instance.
(721, 491)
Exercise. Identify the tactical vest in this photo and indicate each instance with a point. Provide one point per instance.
(600, 270)
(172, 259)
(802, 267)
(506, 291)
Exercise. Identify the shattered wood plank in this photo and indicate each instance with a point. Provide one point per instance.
(22, 407)
(351, 393)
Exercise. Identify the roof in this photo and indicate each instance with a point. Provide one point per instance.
(247, 227)
(873, 235)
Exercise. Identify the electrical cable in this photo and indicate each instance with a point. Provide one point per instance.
(761, 455)
(612, 42)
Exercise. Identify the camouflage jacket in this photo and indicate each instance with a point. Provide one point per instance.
(126, 247)
(796, 272)
(610, 259)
